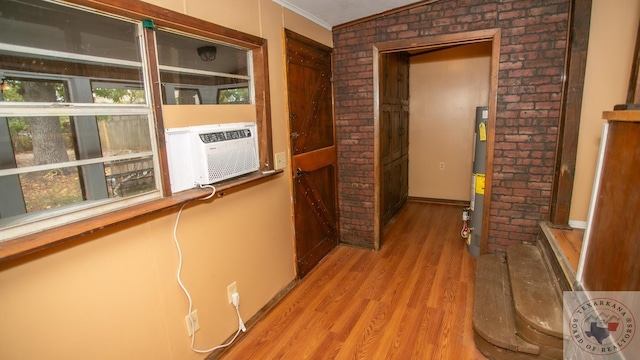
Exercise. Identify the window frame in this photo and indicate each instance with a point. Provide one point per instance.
(165, 19)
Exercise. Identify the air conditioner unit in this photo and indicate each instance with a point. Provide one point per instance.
(202, 155)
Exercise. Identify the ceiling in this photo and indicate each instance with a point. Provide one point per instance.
(329, 13)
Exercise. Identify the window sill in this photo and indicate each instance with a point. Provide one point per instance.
(31, 243)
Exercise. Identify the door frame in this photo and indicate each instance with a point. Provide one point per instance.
(433, 43)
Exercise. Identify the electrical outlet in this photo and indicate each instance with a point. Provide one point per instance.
(232, 289)
(281, 161)
(192, 326)
(442, 165)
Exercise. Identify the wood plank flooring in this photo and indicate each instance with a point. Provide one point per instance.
(411, 300)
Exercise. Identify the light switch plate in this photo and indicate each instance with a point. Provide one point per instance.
(281, 160)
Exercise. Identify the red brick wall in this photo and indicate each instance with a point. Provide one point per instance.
(529, 91)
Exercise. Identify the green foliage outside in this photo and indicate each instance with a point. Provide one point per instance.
(119, 96)
(234, 96)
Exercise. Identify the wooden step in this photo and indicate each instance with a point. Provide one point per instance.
(537, 305)
(493, 312)
(561, 253)
(497, 353)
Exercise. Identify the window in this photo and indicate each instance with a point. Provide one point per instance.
(190, 65)
(77, 113)
(72, 142)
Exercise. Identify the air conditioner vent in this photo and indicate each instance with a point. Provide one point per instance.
(208, 154)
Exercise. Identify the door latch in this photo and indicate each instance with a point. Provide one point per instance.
(300, 172)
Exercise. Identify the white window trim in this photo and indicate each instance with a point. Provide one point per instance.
(98, 160)
(53, 54)
(26, 109)
(181, 70)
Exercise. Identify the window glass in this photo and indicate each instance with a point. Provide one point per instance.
(50, 189)
(117, 92)
(34, 90)
(123, 165)
(238, 95)
(55, 28)
(74, 115)
(192, 53)
(197, 64)
(186, 96)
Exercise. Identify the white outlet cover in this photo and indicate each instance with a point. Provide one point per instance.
(196, 322)
(231, 289)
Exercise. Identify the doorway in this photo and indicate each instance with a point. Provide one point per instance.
(488, 38)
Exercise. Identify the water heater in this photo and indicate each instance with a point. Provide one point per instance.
(478, 179)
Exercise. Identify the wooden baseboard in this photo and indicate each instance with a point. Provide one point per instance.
(462, 203)
(255, 319)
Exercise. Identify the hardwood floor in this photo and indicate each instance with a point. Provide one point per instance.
(411, 300)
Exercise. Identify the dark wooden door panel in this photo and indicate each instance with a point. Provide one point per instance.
(309, 75)
(313, 161)
(404, 130)
(315, 216)
(611, 262)
(394, 132)
(385, 135)
(395, 187)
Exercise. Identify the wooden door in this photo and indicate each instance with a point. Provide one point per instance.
(611, 246)
(313, 162)
(394, 132)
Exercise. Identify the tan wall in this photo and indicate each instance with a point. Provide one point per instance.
(614, 25)
(445, 88)
(114, 294)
